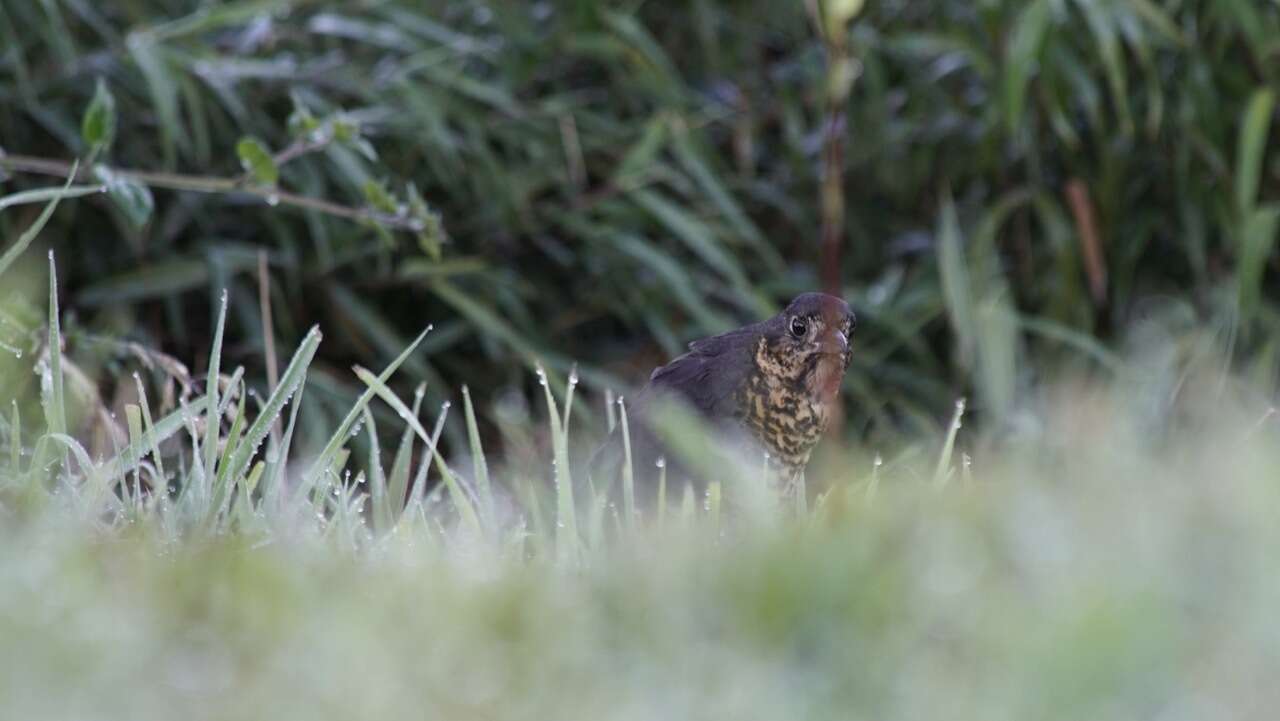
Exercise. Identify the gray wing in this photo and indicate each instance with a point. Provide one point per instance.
(709, 375)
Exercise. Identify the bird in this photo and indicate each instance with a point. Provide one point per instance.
(774, 384)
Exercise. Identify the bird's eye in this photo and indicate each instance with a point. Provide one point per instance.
(799, 327)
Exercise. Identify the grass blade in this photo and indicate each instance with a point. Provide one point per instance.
(125, 461)
(398, 482)
(149, 430)
(293, 378)
(943, 470)
(339, 436)
(55, 409)
(956, 287)
(15, 443)
(567, 539)
(213, 421)
(628, 470)
(457, 493)
(380, 513)
(479, 465)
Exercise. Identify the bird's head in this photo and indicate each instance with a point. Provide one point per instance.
(808, 343)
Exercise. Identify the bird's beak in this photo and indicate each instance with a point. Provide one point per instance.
(835, 343)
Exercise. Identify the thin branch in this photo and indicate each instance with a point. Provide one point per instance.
(214, 185)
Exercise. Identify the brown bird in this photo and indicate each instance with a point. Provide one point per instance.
(775, 382)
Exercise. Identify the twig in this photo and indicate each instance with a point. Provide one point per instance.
(833, 210)
(214, 185)
(1095, 263)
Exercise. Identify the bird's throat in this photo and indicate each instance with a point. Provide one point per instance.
(824, 384)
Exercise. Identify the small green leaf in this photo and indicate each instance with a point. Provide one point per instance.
(378, 197)
(98, 127)
(432, 234)
(345, 130)
(257, 161)
(132, 198)
(301, 122)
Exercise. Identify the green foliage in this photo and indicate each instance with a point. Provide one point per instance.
(98, 129)
(257, 161)
(133, 199)
(562, 181)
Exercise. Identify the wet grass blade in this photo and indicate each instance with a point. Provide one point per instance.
(15, 442)
(152, 443)
(398, 480)
(55, 403)
(290, 381)
(126, 460)
(567, 538)
(457, 493)
(213, 420)
(942, 472)
(380, 512)
(480, 466)
(628, 469)
(339, 437)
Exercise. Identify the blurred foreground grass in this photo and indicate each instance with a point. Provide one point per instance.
(1089, 574)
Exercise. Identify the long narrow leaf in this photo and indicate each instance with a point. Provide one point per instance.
(339, 436)
(292, 379)
(30, 233)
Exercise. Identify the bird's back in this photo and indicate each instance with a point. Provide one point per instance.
(707, 379)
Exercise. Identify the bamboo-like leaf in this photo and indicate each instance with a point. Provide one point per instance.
(1251, 150)
(150, 59)
(1022, 58)
(1257, 241)
(956, 288)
